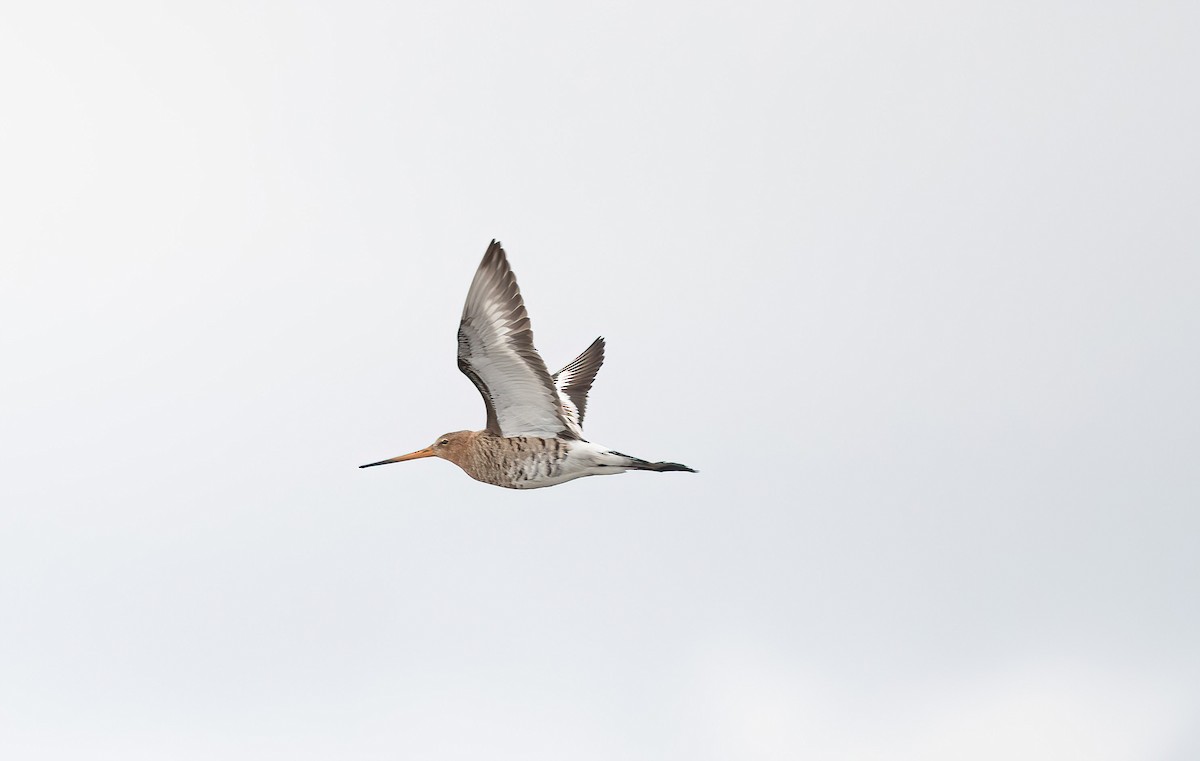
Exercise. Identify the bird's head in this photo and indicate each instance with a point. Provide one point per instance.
(449, 446)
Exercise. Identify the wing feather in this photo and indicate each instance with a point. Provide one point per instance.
(495, 350)
(575, 380)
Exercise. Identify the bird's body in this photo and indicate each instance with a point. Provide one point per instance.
(534, 434)
(531, 462)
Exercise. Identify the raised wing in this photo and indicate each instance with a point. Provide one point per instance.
(495, 350)
(575, 380)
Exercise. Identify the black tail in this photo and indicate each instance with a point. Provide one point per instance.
(638, 463)
(663, 467)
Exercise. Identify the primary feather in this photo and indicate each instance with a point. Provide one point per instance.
(574, 381)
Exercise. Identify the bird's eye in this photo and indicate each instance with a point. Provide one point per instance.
(443, 442)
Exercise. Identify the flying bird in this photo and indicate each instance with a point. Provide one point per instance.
(534, 434)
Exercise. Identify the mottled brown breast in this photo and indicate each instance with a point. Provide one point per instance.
(514, 462)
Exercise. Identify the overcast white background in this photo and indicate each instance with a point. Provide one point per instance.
(914, 286)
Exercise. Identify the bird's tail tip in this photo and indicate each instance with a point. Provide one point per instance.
(637, 463)
(663, 467)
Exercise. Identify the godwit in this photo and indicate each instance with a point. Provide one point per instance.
(534, 433)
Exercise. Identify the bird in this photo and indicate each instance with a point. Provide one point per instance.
(534, 432)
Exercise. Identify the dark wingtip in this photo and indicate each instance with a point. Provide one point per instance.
(495, 253)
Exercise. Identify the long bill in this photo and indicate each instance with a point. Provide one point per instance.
(427, 452)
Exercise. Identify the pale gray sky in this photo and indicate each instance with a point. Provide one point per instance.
(913, 285)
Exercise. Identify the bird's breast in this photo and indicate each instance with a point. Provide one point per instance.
(519, 462)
